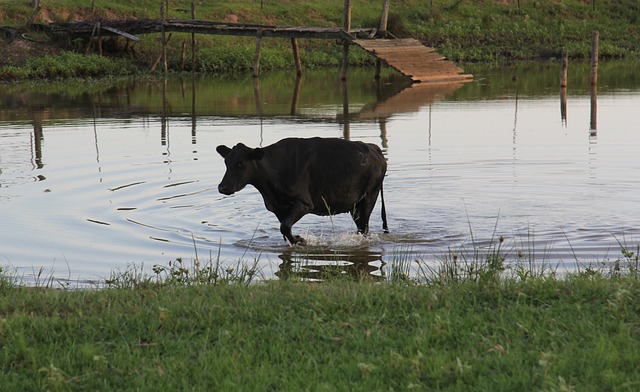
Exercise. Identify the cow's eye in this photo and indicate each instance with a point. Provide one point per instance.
(240, 165)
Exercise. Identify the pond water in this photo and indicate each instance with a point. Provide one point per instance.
(95, 177)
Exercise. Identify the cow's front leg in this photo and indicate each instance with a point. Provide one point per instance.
(298, 210)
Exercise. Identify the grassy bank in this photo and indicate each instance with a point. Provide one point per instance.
(485, 30)
(204, 328)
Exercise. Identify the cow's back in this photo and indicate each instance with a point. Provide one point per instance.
(333, 172)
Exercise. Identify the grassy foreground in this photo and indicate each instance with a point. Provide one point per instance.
(464, 31)
(538, 334)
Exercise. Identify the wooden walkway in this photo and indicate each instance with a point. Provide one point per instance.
(408, 56)
(413, 59)
(127, 28)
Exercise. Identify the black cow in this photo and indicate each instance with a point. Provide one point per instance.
(300, 176)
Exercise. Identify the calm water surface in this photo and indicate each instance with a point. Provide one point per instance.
(96, 177)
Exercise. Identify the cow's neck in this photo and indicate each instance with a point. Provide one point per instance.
(265, 176)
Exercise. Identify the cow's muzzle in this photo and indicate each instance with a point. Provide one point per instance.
(225, 190)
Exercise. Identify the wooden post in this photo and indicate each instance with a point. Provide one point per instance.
(36, 10)
(296, 56)
(163, 18)
(563, 70)
(256, 58)
(594, 58)
(384, 18)
(183, 57)
(193, 38)
(594, 83)
(99, 39)
(93, 33)
(347, 16)
(345, 44)
(383, 30)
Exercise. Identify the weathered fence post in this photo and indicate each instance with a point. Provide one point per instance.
(193, 38)
(36, 9)
(383, 30)
(296, 56)
(594, 84)
(163, 19)
(345, 47)
(183, 55)
(384, 18)
(594, 57)
(563, 70)
(99, 39)
(256, 58)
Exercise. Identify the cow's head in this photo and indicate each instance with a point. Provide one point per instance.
(241, 162)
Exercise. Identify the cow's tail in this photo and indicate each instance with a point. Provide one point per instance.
(385, 228)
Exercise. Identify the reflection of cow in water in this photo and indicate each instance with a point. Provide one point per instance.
(357, 263)
(300, 176)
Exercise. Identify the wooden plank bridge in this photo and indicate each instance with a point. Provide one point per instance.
(411, 58)
(408, 56)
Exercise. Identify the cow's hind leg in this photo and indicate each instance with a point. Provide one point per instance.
(362, 212)
(288, 236)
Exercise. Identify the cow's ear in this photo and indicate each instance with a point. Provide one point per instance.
(257, 153)
(223, 150)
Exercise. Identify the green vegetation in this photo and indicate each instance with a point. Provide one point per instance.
(464, 31)
(467, 326)
(67, 65)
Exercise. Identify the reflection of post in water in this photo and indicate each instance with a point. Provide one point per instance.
(256, 96)
(515, 115)
(382, 121)
(163, 118)
(593, 125)
(296, 95)
(325, 266)
(594, 84)
(38, 137)
(383, 133)
(563, 87)
(193, 106)
(95, 138)
(258, 101)
(430, 108)
(345, 110)
(563, 105)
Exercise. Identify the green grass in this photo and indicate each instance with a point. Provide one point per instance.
(68, 65)
(201, 327)
(464, 31)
